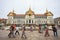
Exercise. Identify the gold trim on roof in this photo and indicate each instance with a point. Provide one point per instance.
(11, 13)
(48, 13)
(29, 12)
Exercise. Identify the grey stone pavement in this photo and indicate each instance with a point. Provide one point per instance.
(30, 36)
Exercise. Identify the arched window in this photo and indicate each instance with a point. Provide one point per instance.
(29, 21)
(29, 14)
(26, 21)
(32, 21)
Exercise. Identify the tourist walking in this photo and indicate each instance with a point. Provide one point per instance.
(11, 32)
(39, 30)
(54, 31)
(46, 32)
(23, 32)
(31, 28)
(17, 31)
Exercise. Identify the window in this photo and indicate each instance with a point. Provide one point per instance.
(58, 22)
(26, 21)
(32, 21)
(29, 21)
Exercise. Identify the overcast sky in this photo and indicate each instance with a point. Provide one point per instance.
(21, 6)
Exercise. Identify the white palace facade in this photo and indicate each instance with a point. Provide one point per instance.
(30, 18)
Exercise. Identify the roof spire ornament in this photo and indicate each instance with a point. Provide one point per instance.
(48, 13)
(13, 11)
(30, 11)
(30, 8)
(46, 10)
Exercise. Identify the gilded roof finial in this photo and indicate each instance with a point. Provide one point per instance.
(29, 8)
(29, 11)
(46, 10)
(13, 11)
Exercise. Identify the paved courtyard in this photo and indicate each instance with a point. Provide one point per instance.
(30, 36)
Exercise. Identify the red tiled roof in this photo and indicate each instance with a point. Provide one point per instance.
(35, 14)
(39, 15)
(2, 19)
(20, 14)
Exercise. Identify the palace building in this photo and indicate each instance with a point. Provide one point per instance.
(30, 18)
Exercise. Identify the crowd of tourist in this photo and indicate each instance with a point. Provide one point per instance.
(14, 31)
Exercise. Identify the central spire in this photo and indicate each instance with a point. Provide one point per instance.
(13, 11)
(29, 12)
(30, 8)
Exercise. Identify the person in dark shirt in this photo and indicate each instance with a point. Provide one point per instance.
(39, 29)
(54, 31)
(23, 32)
(11, 32)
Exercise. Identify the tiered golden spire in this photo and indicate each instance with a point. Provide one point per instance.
(48, 13)
(11, 13)
(29, 11)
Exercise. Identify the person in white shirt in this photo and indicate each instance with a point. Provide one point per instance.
(17, 31)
